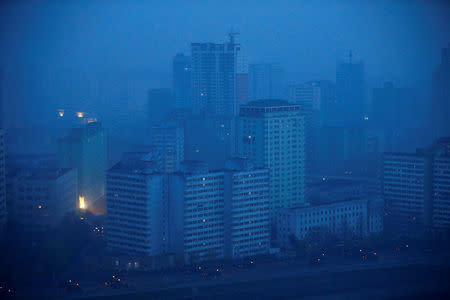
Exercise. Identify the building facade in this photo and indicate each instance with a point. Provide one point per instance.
(41, 197)
(265, 81)
(137, 207)
(196, 209)
(271, 133)
(85, 149)
(404, 190)
(441, 95)
(441, 192)
(247, 210)
(160, 103)
(346, 217)
(168, 138)
(416, 188)
(217, 214)
(181, 81)
(213, 78)
(351, 103)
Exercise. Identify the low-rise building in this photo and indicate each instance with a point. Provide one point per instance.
(41, 197)
(342, 218)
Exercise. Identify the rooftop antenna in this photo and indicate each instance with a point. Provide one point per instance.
(232, 34)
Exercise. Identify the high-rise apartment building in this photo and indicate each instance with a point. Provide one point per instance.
(216, 214)
(85, 149)
(416, 188)
(398, 114)
(160, 103)
(213, 78)
(265, 81)
(242, 84)
(441, 96)
(441, 192)
(308, 96)
(137, 207)
(247, 209)
(346, 150)
(196, 210)
(168, 138)
(271, 133)
(404, 190)
(350, 93)
(209, 139)
(181, 81)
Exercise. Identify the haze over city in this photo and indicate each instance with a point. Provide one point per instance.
(177, 149)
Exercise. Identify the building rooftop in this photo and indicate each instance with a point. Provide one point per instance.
(333, 183)
(269, 103)
(324, 203)
(260, 107)
(78, 133)
(194, 166)
(40, 173)
(135, 165)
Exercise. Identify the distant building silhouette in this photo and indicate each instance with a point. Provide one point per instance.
(242, 83)
(350, 92)
(265, 81)
(441, 96)
(85, 149)
(160, 103)
(308, 96)
(181, 81)
(347, 150)
(168, 138)
(398, 115)
(213, 78)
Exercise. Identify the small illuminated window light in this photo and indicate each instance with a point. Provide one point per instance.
(61, 113)
(80, 114)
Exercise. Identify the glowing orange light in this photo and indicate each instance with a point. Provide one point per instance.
(80, 114)
(61, 113)
(82, 203)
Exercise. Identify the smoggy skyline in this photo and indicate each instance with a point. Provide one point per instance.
(398, 41)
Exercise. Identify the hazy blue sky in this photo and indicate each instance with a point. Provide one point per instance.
(398, 40)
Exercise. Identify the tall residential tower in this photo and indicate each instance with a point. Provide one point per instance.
(272, 134)
(213, 78)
